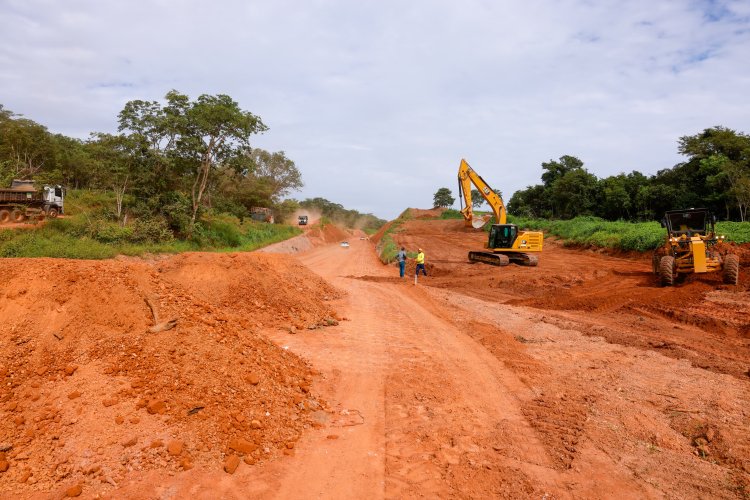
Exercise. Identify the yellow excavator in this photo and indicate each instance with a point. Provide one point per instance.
(506, 242)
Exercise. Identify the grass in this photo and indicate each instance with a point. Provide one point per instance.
(387, 248)
(88, 233)
(620, 235)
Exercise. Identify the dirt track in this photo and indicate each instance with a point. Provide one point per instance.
(579, 378)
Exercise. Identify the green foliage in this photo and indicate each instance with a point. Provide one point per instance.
(738, 232)
(620, 235)
(443, 198)
(387, 248)
(91, 231)
(338, 214)
(716, 176)
(451, 214)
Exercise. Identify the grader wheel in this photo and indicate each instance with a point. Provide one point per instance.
(731, 269)
(4, 215)
(655, 260)
(666, 270)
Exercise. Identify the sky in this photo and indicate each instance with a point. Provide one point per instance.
(377, 102)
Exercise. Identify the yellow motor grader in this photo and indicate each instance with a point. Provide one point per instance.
(688, 248)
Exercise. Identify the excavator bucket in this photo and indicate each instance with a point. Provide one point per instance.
(478, 222)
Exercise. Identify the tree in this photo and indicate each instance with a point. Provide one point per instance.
(120, 164)
(554, 170)
(477, 200)
(194, 137)
(721, 156)
(574, 193)
(278, 171)
(443, 198)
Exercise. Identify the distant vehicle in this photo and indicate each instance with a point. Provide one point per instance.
(363, 237)
(302, 220)
(345, 244)
(22, 201)
(261, 214)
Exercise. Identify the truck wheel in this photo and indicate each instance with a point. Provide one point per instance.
(52, 213)
(666, 270)
(731, 269)
(17, 216)
(4, 215)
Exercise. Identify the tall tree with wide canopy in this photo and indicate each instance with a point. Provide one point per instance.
(194, 137)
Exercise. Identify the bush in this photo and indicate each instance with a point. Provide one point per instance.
(451, 214)
(151, 230)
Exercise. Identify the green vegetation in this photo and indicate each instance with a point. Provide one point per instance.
(91, 231)
(716, 176)
(620, 235)
(451, 214)
(443, 198)
(336, 213)
(387, 248)
(175, 164)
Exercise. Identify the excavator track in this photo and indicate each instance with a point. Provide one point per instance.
(499, 259)
(494, 259)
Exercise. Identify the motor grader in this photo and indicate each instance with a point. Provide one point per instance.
(689, 248)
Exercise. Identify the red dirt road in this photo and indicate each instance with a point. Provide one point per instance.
(579, 378)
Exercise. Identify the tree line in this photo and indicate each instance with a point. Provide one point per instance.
(715, 175)
(172, 161)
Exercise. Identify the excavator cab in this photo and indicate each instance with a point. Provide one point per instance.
(502, 235)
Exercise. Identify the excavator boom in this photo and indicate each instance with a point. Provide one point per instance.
(466, 177)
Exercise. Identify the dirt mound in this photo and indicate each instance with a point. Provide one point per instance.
(116, 366)
(418, 213)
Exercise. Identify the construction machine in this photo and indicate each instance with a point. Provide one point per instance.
(688, 248)
(506, 242)
(23, 201)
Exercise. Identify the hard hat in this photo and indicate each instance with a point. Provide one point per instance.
(420, 249)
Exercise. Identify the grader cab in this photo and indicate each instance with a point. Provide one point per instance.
(688, 248)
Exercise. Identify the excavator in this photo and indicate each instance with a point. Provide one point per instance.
(506, 242)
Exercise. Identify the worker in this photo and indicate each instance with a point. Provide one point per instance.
(420, 263)
(401, 257)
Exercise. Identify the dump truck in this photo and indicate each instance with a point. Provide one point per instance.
(23, 201)
(302, 220)
(689, 248)
(261, 214)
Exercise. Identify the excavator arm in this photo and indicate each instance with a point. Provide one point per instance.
(466, 177)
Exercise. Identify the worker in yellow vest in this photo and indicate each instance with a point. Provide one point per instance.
(420, 263)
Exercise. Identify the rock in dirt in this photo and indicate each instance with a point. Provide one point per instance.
(175, 447)
(4, 465)
(231, 464)
(130, 442)
(243, 446)
(74, 491)
(156, 406)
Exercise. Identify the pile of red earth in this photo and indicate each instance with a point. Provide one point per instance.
(115, 366)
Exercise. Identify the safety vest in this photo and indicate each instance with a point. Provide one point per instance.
(420, 258)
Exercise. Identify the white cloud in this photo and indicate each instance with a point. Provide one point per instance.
(377, 102)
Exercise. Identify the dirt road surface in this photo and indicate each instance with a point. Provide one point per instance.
(576, 379)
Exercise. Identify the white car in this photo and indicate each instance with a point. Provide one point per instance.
(345, 244)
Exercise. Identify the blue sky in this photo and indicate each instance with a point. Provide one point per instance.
(377, 102)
